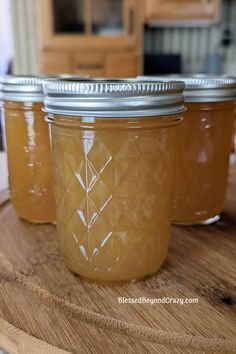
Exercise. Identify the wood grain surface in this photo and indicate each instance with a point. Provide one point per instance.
(39, 296)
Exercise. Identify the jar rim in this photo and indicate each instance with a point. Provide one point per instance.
(89, 122)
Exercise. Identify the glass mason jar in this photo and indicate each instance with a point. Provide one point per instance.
(204, 148)
(113, 145)
(28, 148)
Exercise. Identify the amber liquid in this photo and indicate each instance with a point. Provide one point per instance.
(29, 161)
(234, 134)
(202, 162)
(113, 187)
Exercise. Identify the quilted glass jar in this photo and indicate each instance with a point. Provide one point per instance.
(204, 148)
(202, 172)
(113, 145)
(28, 148)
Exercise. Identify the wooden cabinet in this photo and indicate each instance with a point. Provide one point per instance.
(92, 63)
(54, 62)
(182, 10)
(95, 64)
(124, 65)
(94, 37)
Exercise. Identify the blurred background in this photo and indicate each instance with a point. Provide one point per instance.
(117, 37)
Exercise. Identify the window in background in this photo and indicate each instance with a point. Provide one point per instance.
(69, 16)
(107, 17)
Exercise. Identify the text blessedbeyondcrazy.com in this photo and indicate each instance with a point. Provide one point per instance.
(153, 301)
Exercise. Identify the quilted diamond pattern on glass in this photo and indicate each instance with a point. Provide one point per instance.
(113, 191)
(202, 162)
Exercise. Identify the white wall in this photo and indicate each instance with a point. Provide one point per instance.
(6, 41)
(25, 36)
(3, 174)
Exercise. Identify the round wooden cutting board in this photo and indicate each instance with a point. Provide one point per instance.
(44, 308)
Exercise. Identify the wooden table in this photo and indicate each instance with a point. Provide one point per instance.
(46, 309)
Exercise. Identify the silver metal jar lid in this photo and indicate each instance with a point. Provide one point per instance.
(26, 88)
(113, 98)
(23, 88)
(202, 88)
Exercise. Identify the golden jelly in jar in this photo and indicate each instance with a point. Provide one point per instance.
(204, 148)
(28, 148)
(113, 145)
